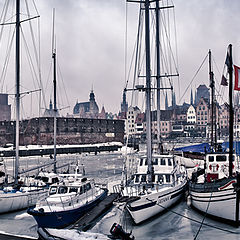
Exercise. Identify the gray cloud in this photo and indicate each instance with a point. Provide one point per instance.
(90, 43)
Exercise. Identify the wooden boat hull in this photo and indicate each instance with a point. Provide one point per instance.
(219, 202)
(61, 219)
(17, 200)
(150, 205)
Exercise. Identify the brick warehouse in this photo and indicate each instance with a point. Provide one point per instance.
(69, 131)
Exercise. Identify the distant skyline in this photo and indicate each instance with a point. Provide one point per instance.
(90, 38)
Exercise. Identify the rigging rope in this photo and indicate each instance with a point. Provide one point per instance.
(204, 216)
(193, 78)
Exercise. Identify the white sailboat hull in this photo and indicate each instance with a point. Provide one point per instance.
(220, 204)
(14, 201)
(154, 203)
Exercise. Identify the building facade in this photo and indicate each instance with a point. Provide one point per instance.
(5, 108)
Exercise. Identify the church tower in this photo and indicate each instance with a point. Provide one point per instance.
(124, 104)
(191, 98)
(93, 107)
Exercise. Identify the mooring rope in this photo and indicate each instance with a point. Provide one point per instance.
(194, 220)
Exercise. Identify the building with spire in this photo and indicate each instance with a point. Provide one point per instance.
(191, 98)
(202, 92)
(124, 107)
(49, 112)
(102, 114)
(87, 109)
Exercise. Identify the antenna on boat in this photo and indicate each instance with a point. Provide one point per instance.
(55, 94)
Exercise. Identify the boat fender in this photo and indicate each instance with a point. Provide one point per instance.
(41, 210)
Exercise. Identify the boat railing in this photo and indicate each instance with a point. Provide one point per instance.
(139, 189)
(72, 200)
(209, 186)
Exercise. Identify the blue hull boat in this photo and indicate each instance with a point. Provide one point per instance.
(66, 204)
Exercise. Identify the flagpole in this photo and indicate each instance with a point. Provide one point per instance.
(230, 71)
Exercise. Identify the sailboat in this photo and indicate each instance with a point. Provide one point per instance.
(159, 181)
(14, 196)
(215, 190)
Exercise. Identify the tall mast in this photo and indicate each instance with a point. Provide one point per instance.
(55, 97)
(213, 104)
(17, 96)
(230, 71)
(158, 76)
(148, 94)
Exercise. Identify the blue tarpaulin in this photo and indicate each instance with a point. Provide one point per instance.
(205, 147)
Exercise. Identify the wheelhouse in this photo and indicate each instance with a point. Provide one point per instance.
(65, 189)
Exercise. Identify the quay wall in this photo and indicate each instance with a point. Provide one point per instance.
(69, 131)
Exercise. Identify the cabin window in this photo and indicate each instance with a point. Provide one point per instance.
(73, 189)
(211, 158)
(62, 190)
(81, 190)
(163, 161)
(136, 178)
(143, 178)
(221, 158)
(88, 186)
(169, 162)
(44, 179)
(84, 188)
(155, 161)
(141, 162)
(53, 190)
(146, 163)
(168, 178)
(160, 179)
(55, 180)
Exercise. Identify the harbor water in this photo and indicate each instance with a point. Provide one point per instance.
(180, 222)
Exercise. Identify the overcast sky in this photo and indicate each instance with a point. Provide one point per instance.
(90, 37)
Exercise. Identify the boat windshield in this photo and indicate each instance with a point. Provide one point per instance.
(53, 190)
(62, 189)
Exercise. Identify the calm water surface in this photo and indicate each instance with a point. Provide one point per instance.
(107, 168)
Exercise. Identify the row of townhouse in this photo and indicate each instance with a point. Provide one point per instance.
(186, 120)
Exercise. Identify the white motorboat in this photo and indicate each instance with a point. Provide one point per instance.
(67, 202)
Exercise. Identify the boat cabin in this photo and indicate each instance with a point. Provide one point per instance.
(163, 166)
(217, 165)
(81, 188)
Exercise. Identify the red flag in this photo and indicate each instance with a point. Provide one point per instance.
(237, 80)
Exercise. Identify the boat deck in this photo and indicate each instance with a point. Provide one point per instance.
(90, 218)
